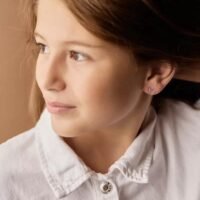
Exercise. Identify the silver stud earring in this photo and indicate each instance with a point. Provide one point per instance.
(150, 91)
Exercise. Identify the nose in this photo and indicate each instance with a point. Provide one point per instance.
(54, 74)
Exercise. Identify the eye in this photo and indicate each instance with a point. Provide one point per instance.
(43, 48)
(78, 56)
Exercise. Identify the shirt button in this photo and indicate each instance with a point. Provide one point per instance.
(106, 187)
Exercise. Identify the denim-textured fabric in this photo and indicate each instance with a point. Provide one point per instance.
(162, 163)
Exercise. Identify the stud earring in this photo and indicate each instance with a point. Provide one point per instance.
(150, 91)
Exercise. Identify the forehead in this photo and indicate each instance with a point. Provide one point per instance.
(56, 22)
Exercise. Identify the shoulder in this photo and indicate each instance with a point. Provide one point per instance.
(17, 156)
(16, 146)
(180, 116)
(178, 146)
(179, 129)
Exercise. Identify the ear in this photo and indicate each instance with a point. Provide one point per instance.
(158, 75)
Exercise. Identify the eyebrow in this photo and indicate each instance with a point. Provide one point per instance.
(73, 42)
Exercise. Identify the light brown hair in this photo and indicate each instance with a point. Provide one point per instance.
(153, 30)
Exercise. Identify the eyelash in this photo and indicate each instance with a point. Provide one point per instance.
(72, 53)
(40, 46)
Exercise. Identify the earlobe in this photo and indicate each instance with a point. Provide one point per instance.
(150, 90)
(158, 76)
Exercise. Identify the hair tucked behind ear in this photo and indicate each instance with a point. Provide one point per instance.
(151, 29)
(185, 25)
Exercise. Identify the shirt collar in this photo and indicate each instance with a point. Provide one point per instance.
(65, 171)
(136, 161)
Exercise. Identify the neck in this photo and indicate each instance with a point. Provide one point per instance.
(102, 148)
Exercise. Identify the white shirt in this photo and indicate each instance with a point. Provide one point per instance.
(162, 163)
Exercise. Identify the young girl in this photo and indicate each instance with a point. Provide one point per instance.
(99, 135)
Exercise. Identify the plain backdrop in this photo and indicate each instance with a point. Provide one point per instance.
(14, 75)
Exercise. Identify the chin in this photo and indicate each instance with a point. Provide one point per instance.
(65, 131)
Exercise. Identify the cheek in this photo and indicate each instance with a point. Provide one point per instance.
(39, 74)
(37, 71)
(108, 94)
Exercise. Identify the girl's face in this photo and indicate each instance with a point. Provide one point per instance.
(75, 67)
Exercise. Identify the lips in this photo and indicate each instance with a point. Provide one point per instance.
(60, 105)
(59, 108)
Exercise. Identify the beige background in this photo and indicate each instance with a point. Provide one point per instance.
(14, 75)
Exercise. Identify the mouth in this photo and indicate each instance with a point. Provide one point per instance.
(59, 104)
(57, 107)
